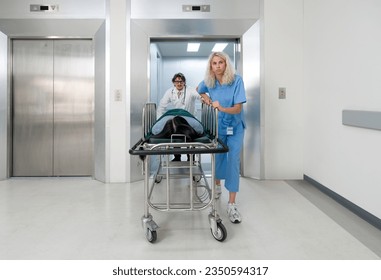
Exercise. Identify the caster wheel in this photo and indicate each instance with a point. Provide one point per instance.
(196, 179)
(158, 179)
(221, 233)
(151, 235)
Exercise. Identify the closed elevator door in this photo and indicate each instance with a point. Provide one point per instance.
(53, 101)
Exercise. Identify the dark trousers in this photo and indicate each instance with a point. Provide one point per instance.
(178, 157)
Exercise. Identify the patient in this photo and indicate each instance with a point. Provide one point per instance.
(181, 122)
(178, 125)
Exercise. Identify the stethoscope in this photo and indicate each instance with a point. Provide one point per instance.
(185, 93)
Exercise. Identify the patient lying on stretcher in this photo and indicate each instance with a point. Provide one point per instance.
(177, 121)
(180, 122)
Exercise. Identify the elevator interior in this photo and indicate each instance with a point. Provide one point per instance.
(52, 107)
(170, 56)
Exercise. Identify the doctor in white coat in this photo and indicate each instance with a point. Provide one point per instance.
(180, 96)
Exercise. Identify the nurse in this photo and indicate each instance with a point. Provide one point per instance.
(224, 90)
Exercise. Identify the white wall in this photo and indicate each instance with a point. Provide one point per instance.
(327, 54)
(67, 9)
(342, 66)
(118, 115)
(282, 66)
(172, 9)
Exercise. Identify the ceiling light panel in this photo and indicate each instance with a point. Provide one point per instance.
(193, 47)
(219, 47)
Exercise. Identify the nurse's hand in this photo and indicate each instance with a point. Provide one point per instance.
(216, 104)
(206, 99)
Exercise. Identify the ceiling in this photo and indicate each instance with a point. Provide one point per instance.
(179, 48)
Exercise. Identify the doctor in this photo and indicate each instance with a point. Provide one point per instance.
(180, 96)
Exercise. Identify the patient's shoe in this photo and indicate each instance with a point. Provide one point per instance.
(234, 215)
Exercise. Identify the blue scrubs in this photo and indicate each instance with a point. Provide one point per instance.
(231, 129)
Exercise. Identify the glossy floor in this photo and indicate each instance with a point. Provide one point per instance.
(80, 218)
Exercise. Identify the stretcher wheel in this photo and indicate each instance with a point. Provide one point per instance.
(158, 179)
(196, 179)
(221, 233)
(151, 235)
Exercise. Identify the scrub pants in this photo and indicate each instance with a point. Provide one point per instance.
(228, 164)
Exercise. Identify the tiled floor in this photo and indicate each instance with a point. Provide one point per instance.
(80, 218)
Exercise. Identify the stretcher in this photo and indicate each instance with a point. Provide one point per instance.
(198, 191)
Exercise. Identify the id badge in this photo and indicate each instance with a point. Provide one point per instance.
(229, 130)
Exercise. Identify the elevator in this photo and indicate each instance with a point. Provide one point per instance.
(245, 34)
(52, 107)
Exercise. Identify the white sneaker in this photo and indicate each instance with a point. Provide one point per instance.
(217, 191)
(234, 215)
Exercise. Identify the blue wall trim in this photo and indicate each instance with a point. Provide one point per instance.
(370, 218)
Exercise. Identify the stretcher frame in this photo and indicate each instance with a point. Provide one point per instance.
(192, 169)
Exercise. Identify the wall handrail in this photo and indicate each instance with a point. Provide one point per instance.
(363, 119)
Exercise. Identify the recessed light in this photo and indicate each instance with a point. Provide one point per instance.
(219, 47)
(193, 47)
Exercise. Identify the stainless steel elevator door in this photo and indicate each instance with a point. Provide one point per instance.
(73, 107)
(53, 96)
(33, 108)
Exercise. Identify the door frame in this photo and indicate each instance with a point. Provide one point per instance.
(247, 30)
(94, 29)
(54, 159)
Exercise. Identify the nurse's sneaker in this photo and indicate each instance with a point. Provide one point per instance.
(234, 215)
(217, 191)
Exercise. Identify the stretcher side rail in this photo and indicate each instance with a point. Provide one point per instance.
(142, 148)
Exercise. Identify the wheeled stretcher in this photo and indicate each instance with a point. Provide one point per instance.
(198, 193)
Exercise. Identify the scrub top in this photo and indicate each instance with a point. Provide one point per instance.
(228, 96)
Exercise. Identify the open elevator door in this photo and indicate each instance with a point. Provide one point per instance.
(144, 30)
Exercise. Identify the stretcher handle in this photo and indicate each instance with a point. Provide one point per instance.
(133, 148)
(173, 136)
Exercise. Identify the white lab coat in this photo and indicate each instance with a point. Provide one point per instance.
(172, 100)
